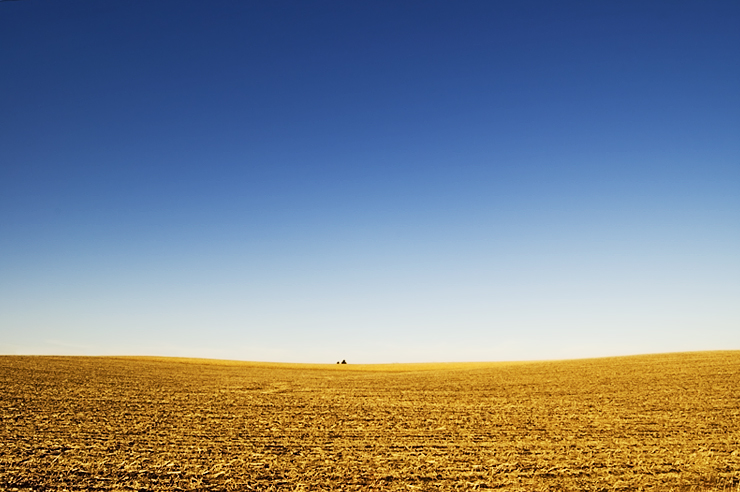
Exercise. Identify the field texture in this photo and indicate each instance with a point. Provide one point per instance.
(662, 422)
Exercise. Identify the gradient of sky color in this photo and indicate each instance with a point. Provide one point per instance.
(375, 181)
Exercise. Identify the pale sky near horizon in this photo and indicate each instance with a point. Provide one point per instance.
(375, 181)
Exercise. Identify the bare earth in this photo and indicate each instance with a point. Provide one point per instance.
(659, 422)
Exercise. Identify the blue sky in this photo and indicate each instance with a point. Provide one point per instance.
(370, 181)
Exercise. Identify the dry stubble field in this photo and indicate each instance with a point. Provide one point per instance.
(660, 422)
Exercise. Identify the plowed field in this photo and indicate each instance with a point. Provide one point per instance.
(660, 422)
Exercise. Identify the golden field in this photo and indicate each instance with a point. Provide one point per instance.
(657, 422)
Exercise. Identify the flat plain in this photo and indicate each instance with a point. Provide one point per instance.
(657, 422)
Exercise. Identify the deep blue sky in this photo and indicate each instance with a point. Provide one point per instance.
(376, 181)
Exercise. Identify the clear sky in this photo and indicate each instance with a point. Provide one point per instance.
(375, 181)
